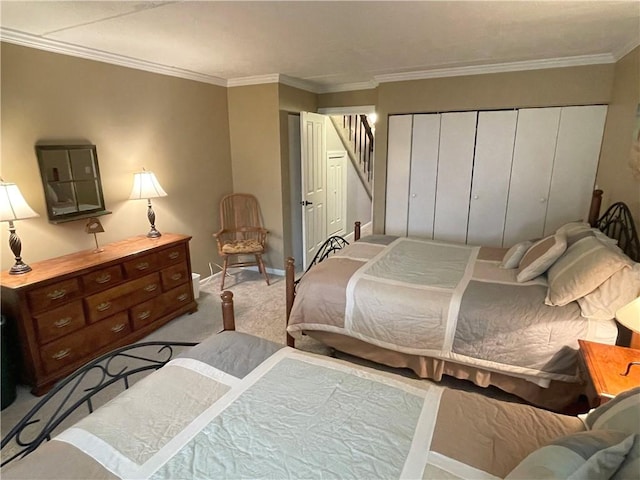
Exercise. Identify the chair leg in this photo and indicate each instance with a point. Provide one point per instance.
(224, 273)
(262, 268)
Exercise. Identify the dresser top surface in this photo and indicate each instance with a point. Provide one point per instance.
(74, 262)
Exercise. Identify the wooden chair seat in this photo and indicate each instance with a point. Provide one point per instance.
(242, 247)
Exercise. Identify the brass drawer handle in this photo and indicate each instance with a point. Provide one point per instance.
(174, 255)
(144, 315)
(176, 276)
(103, 278)
(151, 287)
(57, 294)
(61, 354)
(183, 297)
(142, 266)
(63, 322)
(104, 306)
(117, 328)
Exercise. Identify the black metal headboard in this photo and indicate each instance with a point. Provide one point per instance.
(617, 223)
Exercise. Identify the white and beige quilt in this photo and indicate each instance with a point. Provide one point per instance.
(445, 301)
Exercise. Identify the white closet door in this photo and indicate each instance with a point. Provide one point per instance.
(575, 165)
(531, 170)
(424, 171)
(491, 174)
(455, 164)
(398, 174)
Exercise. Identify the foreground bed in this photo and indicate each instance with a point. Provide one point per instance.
(441, 308)
(237, 406)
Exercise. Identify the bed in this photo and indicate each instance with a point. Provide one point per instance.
(237, 406)
(508, 318)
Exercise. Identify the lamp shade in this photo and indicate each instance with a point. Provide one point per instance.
(146, 185)
(13, 206)
(629, 315)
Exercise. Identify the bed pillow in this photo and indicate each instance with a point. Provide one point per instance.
(586, 265)
(621, 288)
(620, 413)
(540, 256)
(590, 454)
(514, 254)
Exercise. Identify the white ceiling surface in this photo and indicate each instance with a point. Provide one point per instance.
(327, 46)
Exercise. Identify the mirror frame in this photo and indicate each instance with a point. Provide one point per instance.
(73, 181)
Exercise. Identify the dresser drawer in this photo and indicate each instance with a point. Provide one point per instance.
(174, 275)
(59, 321)
(147, 312)
(60, 353)
(175, 254)
(53, 295)
(174, 299)
(108, 331)
(142, 265)
(101, 279)
(104, 304)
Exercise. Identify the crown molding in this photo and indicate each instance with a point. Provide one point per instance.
(55, 46)
(621, 52)
(349, 87)
(255, 80)
(498, 68)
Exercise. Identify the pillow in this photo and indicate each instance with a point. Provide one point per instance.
(514, 254)
(621, 288)
(586, 265)
(540, 257)
(591, 454)
(620, 413)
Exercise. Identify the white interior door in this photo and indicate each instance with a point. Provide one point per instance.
(314, 183)
(398, 174)
(455, 164)
(336, 193)
(575, 165)
(491, 174)
(531, 170)
(424, 172)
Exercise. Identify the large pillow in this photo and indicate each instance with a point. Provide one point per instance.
(586, 265)
(621, 288)
(514, 254)
(583, 455)
(540, 256)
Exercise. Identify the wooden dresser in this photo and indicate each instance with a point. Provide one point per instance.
(73, 308)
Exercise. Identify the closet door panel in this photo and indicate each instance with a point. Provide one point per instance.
(575, 165)
(533, 155)
(495, 138)
(455, 164)
(398, 174)
(424, 171)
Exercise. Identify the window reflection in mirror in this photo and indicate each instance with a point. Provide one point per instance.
(71, 180)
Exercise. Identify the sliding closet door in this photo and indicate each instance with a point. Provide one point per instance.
(491, 174)
(531, 170)
(575, 165)
(398, 174)
(424, 171)
(455, 164)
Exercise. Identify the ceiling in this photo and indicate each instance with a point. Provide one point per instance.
(327, 46)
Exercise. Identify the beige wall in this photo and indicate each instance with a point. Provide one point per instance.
(174, 127)
(348, 99)
(614, 176)
(537, 88)
(254, 125)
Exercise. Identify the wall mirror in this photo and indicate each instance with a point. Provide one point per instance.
(71, 181)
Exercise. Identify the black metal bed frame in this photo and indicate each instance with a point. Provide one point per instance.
(617, 223)
(330, 245)
(37, 430)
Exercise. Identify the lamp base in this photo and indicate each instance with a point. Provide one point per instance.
(19, 268)
(153, 233)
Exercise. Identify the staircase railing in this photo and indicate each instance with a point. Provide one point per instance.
(358, 137)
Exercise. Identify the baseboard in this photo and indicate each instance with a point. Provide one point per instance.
(272, 271)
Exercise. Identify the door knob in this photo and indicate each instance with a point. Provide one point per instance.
(305, 203)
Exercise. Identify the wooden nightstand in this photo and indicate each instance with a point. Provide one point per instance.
(605, 365)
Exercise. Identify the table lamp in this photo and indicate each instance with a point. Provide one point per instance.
(146, 185)
(94, 226)
(629, 316)
(13, 207)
